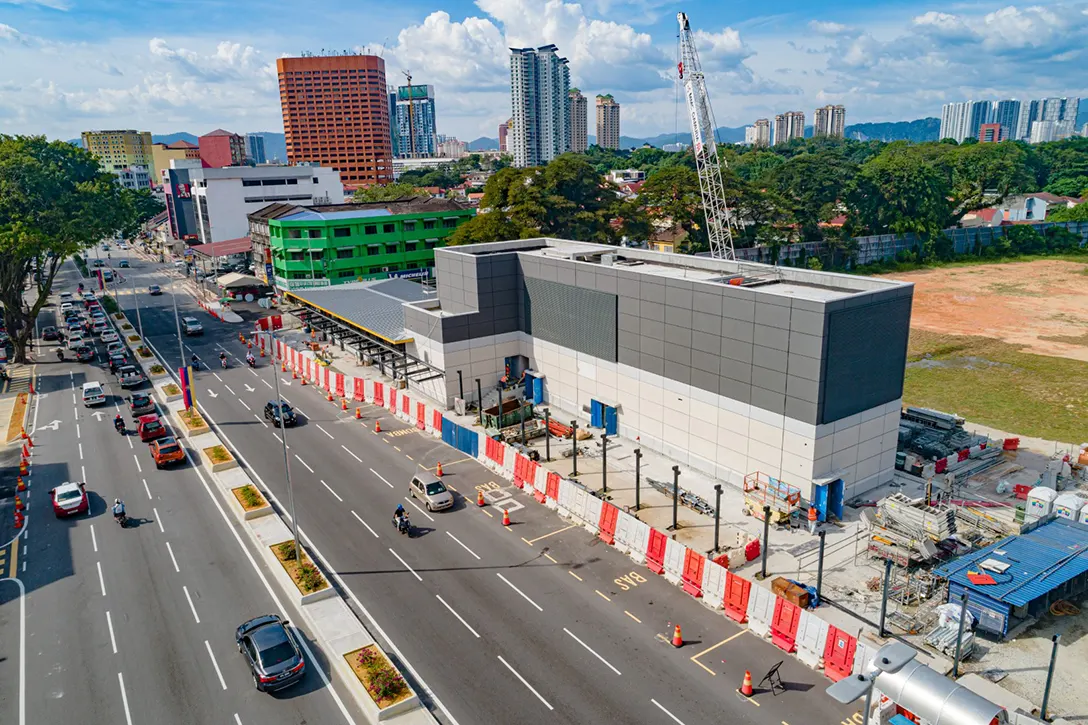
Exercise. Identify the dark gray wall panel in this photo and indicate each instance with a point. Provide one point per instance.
(866, 354)
(572, 317)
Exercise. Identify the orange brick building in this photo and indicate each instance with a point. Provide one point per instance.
(336, 114)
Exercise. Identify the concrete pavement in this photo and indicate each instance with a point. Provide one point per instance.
(539, 621)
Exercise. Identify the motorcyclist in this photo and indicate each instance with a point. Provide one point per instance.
(250, 359)
(118, 508)
(196, 361)
(399, 514)
(119, 423)
(60, 354)
(223, 359)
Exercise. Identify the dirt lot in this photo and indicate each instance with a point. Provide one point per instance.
(1039, 306)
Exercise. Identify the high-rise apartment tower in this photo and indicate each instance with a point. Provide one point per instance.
(789, 125)
(579, 122)
(539, 100)
(608, 122)
(829, 121)
(336, 114)
(420, 125)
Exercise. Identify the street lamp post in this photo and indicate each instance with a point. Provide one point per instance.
(177, 320)
(136, 301)
(286, 460)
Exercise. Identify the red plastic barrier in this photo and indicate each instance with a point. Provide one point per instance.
(524, 471)
(393, 400)
(607, 525)
(1010, 444)
(552, 487)
(421, 416)
(839, 654)
(655, 552)
(751, 550)
(1022, 490)
(277, 322)
(964, 454)
(737, 589)
(940, 465)
(379, 393)
(693, 573)
(404, 405)
(340, 385)
(494, 450)
(357, 388)
(784, 625)
(438, 421)
(328, 380)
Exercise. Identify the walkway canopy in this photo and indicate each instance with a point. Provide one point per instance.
(225, 248)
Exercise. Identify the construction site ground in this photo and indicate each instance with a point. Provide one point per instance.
(1003, 345)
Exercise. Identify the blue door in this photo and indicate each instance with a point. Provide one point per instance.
(819, 501)
(528, 386)
(596, 414)
(538, 390)
(611, 423)
(834, 498)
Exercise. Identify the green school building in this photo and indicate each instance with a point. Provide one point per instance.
(296, 247)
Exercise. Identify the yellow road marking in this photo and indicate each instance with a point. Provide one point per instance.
(451, 487)
(408, 457)
(487, 512)
(554, 533)
(695, 658)
(397, 448)
(549, 556)
(632, 616)
(14, 558)
(574, 575)
(744, 697)
(602, 596)
(459, 460)
(526, 541)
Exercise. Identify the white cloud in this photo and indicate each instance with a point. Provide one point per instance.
(826, 27)
(51, 4)
(9, 33)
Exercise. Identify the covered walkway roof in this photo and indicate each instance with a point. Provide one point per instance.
(223, 249)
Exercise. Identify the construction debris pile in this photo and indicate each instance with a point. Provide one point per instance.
(908, 532)
(932, 442)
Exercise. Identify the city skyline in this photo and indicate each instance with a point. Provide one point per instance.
(62, 77)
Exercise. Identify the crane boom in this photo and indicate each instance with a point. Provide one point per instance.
(701, 115)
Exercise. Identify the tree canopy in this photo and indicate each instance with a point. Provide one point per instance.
(387, 192)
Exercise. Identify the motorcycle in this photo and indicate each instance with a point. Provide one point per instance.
(119, 426)
(223, 362)
(60, 355)
(251, 361)
(404, 525)
(121, 519)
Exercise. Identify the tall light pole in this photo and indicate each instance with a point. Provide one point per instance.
(177, 319)
(283, 440)
(136, 301)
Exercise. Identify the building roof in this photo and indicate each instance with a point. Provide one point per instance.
(182, 144)
(235, 280)
(219, 132)
(376, 307)
(224, 248)
(406, 205)
(1038, 562)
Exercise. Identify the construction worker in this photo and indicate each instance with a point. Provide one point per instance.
(812, 519)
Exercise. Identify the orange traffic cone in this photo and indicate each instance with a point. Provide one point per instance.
(23, 469)
(18, 503)
(358, 414)
(505, 517)
(22, 431)
(18, 519)
(344, 404)
(438, 470)
(294, 374)
(251, 345)
(262, 352)
(677, 640)
(480, 498)
(30, 441)
(20, 484)
(303, 380)
(313, 334)
(328, 396)
(746, 686)
(26, 451)
(377, 426)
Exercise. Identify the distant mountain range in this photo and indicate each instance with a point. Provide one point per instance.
(923, 129)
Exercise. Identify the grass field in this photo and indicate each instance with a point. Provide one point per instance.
(993, 383)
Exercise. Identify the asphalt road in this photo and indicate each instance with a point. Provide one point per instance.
(136, 625)
(536, 623)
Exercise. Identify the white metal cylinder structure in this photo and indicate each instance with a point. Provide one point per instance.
(937, 699)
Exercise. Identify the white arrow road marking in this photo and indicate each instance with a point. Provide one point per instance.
(52, 425)
(98, 415)
(285, 382)
(213, 394)
(249, 388)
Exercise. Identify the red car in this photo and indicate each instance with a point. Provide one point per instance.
(69, 499)
(150, 427)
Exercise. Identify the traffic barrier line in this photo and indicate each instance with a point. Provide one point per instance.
(727, 640)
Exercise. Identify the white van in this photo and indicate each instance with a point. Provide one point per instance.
(93, 394)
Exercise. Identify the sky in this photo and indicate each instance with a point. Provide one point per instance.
(196, 65)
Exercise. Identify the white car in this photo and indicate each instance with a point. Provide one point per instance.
(87, 296)
(66, 307)
(115, 347)
(75, 340)
(93, 394)
(108, 336)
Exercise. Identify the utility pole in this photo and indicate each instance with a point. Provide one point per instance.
(411, 118)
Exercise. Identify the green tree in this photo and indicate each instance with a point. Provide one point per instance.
(489, 227)
(901, 190)
(578, 203)
(386, 192)
(813, 184)
(986, 173)
(673, 194)
(1078, 213)
(54, 202)
(756, 165)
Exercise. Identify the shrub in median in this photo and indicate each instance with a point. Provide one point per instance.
(143, 352)
(133, 338)
(126, 326)
(383, 683)
(304, 574)
(249, 497)
(157, 369)
(171, 389)
(193, 419)
(217, 454)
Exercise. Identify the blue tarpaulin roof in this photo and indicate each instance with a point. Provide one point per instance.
(1038, 562)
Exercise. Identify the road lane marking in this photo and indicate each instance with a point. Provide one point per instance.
(695, 657)
(191, 606)
(591, 650)
(365, 524)
(565, 528)
(81, 451)
(138, 466)
(228, 388)
(101, 579)
(523, 594)
(574, 575)
(459, 617)
(463, 546)
(381, 477)
(94, 539)
(330, 435)
(409, 457)
(218, 378)
(129, 441)
(237, 720)
(417, 508)
(632, 616)
(602, 596)
(266, 383)
(83, 471)
(334, 493)
(549, 558)
(244, 404)
(279, 439)
(360, 460)
(145, 487)
(304, 463)
(158, 520)
(171, 550)
(124, 698)
(216, 665)
(402, 561)
(260, 420)
(661, 707)
(77, 424)
(109, 624)
(253, 372)
(526, 683)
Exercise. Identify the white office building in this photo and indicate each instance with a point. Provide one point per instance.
(540, 105)
(222, 198)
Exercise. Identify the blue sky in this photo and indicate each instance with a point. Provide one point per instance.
(168, 65)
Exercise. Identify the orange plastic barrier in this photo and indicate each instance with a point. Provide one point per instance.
(495, 450)
(524, 471)
(693, 573)
(438, 421)
(340, 385)
(552, 488)
(839, 654)
(784, 624)
(606, 527)
(655, 552)
(357, 389)
(421, 416)
(737, 589)
(404, 405)
(379, 393)
(393, 400)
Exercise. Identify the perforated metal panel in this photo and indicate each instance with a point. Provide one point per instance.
(572, 317)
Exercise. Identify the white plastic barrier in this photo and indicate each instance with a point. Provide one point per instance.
(675, 553)
(760, 610)
(592, 519)
(540, 480)
(632, 536)
(811, 638)
(862, 654)
(578, 503)
(713, 585)
(508, 463)
(567, 490)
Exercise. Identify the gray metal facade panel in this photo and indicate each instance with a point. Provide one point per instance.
(578, 319)
(866, 354)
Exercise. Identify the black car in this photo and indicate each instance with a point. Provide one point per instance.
(84, 353)
(154, 290)
(273, 656)
(272, 413)
(49, 333)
